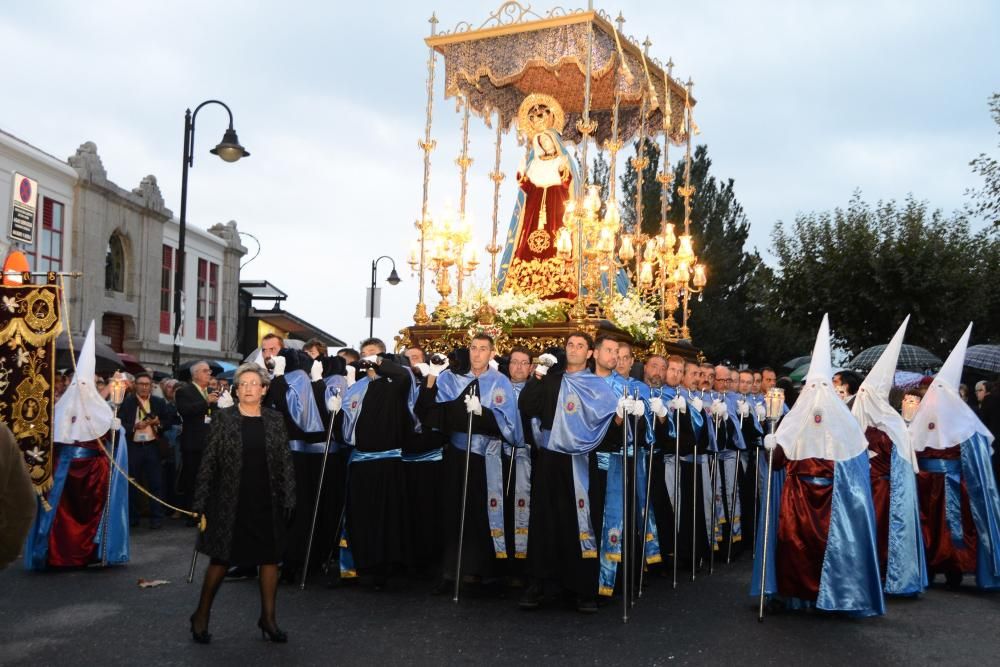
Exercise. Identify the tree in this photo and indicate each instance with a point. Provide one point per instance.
(869, 266)
(986, 201)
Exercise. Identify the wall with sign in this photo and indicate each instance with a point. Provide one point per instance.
(48, 243)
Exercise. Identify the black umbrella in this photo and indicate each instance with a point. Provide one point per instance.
(911, 358)
(983, 358)
(184, 370)
(796, 362)
(107, 360)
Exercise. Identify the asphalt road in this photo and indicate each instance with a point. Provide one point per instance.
(102, 617)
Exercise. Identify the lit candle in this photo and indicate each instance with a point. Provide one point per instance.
(774, 402)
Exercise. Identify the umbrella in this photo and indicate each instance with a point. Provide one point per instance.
(108, 360)
(799, 374)
(131, 364)
(983, 358)
(184, 370)
(907, 379)
(796, 362)
(911, 358)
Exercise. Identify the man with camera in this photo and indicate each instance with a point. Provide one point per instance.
(144, 417)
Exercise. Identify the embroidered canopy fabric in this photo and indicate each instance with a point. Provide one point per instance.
(499, 64)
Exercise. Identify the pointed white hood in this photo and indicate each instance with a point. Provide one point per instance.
(871, 404)
(943, 419)
(81, 414)
(820, 425)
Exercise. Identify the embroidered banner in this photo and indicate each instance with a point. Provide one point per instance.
(29, 325)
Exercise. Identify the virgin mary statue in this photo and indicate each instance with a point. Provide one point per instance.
(548, 177)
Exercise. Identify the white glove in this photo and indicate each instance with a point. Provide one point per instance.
(116, 424)
(760, 411)
(437, 369)
(720, 410)
(770, 441)
(678, 403)
(697, 404)
(373, 358)
(225, 400)
(316, 372)
(541, 370)
(742, 408)
(547, 360)
(657, 407)
(424, 369)
(623, 406)
(334, 403)
(352, 375)
(279, 366)
(638, 407)
(494, 365)
(473, 405)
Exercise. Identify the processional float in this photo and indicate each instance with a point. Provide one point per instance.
(558, 82)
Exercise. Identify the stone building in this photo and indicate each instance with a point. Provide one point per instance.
(132, 236)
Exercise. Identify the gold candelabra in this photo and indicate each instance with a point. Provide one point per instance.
(447, 243)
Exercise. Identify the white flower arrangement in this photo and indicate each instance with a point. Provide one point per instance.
(512, 310)
(633, 315)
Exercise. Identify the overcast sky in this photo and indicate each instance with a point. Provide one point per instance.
(800, 102)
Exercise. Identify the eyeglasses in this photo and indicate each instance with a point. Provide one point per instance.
(252, 383)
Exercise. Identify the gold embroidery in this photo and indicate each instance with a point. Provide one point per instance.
(538, 240)
(543, 277)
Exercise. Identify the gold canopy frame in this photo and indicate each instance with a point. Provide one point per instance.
(517, 52)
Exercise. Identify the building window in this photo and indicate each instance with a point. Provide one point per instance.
(166, 282)
(48, 244)
(213, 301)
(202, 299)
(114, 265)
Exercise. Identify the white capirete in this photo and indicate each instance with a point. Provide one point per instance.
(871, 404)
(81, 414)
(943, 419)
(820, 425)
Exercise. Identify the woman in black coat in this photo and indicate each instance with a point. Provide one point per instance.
(245, 490)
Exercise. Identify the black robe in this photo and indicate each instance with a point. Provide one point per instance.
(690, 489)
(554, 552)
(478, 553)
(376, 513)
(425, 494)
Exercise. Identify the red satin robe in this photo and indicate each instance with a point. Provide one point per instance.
(942, 554)
(71, 541)
(803, 527)
(881, 467)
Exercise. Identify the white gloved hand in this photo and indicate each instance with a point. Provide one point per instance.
(637, 407)
(437, 369)
(316, 372)
(720, 410)
(697, 404)
(547, 360)
(493, 364)
(742, 408)
(622, 406)
(678, 403)
(225, 400)
(279, 366)
(352, 375)
(760, 411)
(334, 403)
(372, 358)
(473, 405)
(770, 441)
(116, 424)
(424, 369)
(657, 407)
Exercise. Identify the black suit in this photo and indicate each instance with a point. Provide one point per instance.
(144, 456)
(193, 408)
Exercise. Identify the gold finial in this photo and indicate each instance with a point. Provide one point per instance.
(620, 21)
(670, 67)
(646, 45)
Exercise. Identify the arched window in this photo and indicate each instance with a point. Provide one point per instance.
(114, 265)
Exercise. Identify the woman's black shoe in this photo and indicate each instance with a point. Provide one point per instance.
(203, 637)
(276, 635)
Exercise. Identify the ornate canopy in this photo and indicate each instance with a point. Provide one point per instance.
(517, 52)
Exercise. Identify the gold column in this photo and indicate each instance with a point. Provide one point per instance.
(686, 192)
(420, 316)
(668, 325)
(497, 177)
(464, 162)
(586, 127)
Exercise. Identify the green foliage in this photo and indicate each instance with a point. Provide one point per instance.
(985, 202)
(651, 189)
(871, 265)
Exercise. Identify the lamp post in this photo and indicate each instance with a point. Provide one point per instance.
(393, 279)
(230, 150)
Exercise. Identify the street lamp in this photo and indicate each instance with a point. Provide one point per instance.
(230, 150)
(393, 279)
